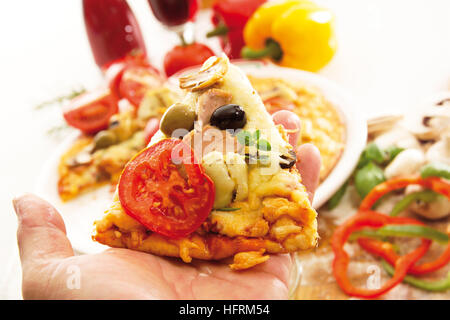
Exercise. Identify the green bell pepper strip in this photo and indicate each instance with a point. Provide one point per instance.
(413, 231)
(425, 196)
(405, 230)
(435, 169)
(366, 233)
(435, 286)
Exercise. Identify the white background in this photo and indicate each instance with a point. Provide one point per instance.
(392, 54)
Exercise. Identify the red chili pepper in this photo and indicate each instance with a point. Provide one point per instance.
(230, 17)
(341, 258)
(112, 29)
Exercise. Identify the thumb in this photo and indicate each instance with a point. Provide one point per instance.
(41, 234)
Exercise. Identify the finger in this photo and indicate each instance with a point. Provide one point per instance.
(291, 122)
(41, 234)
(308, 164)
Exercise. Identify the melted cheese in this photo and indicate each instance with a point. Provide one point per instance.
(277, 205)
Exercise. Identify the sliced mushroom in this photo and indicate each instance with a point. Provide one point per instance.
(440, 151)
(381, 124)
(407, 162)
(435, 210)
(438, 209)
(429, 122)
(281, 90)
(399, 137)
(213, 71)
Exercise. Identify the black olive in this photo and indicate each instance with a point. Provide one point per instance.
(230, 116)
(291, 157)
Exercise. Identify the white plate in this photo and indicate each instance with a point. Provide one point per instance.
(80, 213)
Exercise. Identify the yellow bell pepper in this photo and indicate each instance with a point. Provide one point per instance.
(294, 33)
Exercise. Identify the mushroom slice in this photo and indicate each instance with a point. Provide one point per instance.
(397, 136)
(430, 121)
(407, 162)
(440, 151)
(281, 90)
(439, 208)
(382, 124)
(212, 72)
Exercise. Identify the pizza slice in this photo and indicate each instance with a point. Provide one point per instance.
(218, 180)
(96, 160)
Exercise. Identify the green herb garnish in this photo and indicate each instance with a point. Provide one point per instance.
(61, 99)
(249, 139)
(229, 209)
(245, 138)
(263, 145)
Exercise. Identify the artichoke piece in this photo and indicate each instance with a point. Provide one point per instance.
(213, 71)
(216, 169)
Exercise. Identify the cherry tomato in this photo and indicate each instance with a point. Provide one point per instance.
(90, 112)
(131, 77)
(136, 81)
(150, 129)
(166, 190)
(181, 57)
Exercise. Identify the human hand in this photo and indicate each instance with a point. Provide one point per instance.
(52, 271)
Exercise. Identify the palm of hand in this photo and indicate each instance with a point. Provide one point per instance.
(51, 271)
(126, 274)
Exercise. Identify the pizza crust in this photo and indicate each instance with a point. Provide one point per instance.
(277, 216)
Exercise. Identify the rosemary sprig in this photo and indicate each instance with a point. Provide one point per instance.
(58, 100)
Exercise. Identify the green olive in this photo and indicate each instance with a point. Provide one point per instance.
(178, 116)
(104, 139)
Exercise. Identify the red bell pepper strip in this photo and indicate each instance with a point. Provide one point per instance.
(436, 184)
(433, 183)
(386, 251)
(230, 17)
(341, 261)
